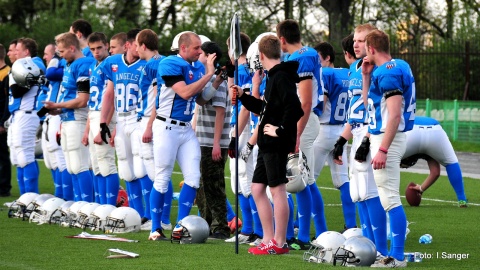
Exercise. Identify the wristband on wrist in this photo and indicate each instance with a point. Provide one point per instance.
(384, 150)
(420, 187)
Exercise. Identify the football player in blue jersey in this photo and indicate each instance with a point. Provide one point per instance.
(363, 190)
(123, 73)
(82, 29)
(332, 112)
(427, 140)
(72, 106)
(52, 124)
(24, 121)
(102, 156)
(142, 145)
(309, 200)
(391, 112)
(117, 43)
(180, 79)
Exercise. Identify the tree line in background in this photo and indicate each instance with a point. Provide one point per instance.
(416, 27)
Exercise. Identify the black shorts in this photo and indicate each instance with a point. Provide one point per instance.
(271, 168)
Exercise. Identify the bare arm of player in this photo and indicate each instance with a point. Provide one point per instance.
(148, 134)
(367, 68)
(85, 133)
(217, 135)
(394, 104)
(305, 95)
(107, 103)
(243, 119)
(186, 91)
(256, 81)
(434, 168)
(79, 102)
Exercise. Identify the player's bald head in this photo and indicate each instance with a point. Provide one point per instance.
(187, 39)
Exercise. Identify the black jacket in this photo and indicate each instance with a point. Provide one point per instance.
(280, 107)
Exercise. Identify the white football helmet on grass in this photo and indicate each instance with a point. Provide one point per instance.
(324, 248)
(123, 220)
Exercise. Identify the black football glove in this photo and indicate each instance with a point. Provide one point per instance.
(104, 131)
(338, 149)
(41, 113)
(230, 69)
(232, 152)
(363, 149)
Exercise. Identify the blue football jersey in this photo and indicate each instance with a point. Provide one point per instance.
(357, 113)
(170, 104)
(98, 83)
(125, 78)
(148, 80)
(54, 80)
(74, 72)
(29, 101)
(86, 51)
(392, 78)
(309, 68)
(335, 83)
(425, 121)
(244, 81)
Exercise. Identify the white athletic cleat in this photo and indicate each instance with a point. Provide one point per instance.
(257, 242)
(242, 239)
(389, 262)
(147, 226)
(167, 227)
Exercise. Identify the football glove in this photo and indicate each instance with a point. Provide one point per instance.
(232, 152)
(230, 68)
(338, 148)
(246, 151)
(362, 151)
(104, 131)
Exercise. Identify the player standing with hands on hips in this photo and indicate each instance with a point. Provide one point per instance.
(391, 107)
(279, 112)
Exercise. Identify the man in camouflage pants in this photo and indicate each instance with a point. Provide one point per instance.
(212, 127)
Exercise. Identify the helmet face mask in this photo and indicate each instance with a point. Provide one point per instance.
(19, 208)
(356, 251)
(123, 220)
(324, 248)
(194, 230)
(297, 172)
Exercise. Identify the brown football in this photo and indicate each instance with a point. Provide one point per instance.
(413, 196)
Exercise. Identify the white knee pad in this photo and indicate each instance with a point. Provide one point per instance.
(161, 185)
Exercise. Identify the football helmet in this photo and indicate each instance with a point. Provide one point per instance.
(84, 213)
(72, 214)
(26, 73)
(34, 206)
(123, 220)
(352, 232)
(60, 215)
(44, 212)
(98, 217)
(356, 251)
(194, 230)
(19, 207)
(253, 58)
(203, 38)
(324, 248)
(175, 46)
(297, 172)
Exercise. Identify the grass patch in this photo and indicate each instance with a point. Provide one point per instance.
(28, 246)
(466, 147)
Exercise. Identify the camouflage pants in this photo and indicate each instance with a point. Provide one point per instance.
(211, 197)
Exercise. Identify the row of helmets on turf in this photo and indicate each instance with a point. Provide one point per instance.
(348, 249)
(48, 209)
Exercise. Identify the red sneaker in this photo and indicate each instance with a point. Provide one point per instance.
(269, 249)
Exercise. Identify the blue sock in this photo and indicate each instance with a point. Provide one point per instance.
(58, 183)
(67, 186)
(96, 193)
(134, 191)
(456, 180)
(257, 224)
(365, 221)
(318, 210)
(230, 213)
(167, 204)
(348, 207)
(185, 201)
(76, 188)
(112, 187)
(290, 226)
(147, 185)
(398, 226)
(30, 177)
(378, 220)
(247, 216)
(156, 208)
(85, 182)
(101, 189)
(21, 184)
(304, 209)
